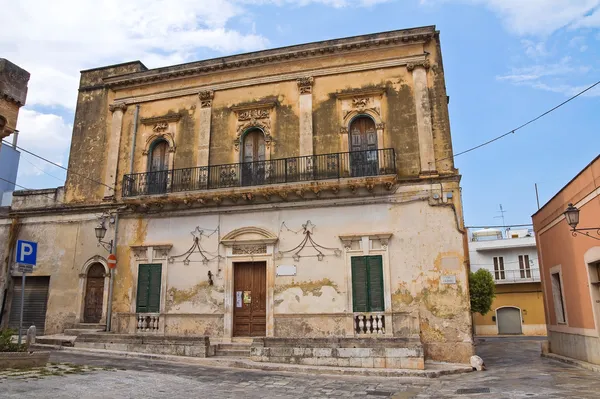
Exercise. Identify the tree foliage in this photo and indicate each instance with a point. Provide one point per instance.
(482, 290)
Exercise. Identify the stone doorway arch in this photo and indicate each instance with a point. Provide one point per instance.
(93, 287)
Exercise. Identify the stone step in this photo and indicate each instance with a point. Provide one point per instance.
(242, 340)
(57, 339)
(242, 347)
(90, 326)
(232, 353)
(80, 331)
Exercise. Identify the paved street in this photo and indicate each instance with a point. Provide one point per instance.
(515, 370)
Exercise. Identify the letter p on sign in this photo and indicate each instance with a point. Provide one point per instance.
(26, 252)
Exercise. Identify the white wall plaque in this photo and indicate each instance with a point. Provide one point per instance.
(286, 270)
(451, 279)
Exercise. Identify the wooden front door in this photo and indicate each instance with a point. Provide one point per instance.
(250, 299)
(363, 147)
(94, 294)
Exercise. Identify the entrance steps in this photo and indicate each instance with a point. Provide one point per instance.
(240, 349)
(85, 328)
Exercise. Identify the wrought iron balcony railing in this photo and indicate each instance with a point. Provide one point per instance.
(528, 275)
(274, 171)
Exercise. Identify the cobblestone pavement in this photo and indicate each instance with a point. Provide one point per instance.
(515, 370)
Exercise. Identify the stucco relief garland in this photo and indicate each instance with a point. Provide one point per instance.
(307, 230)
(253, 118)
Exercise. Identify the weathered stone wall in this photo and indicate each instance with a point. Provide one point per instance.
(13, 93)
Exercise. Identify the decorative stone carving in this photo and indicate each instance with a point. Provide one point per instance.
(140, 252)
(160, 127)
(380, 126)
(344, 130)
(171, 117)
(249, 249)
(412, 65)
(161, 251)
(206, 98)
(305, 84)
(117, 106)
(257, 116)
(360, 102)
(168, 137)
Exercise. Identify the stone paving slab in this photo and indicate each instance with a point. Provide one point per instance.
(515, 371)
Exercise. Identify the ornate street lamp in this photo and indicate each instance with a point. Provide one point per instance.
(100, 233)
(572, 217)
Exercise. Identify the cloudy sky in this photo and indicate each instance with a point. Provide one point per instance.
(506, 61)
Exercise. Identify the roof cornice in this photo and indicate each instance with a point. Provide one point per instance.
(284, 54)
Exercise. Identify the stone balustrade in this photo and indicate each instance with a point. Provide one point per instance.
(369, 323)
(148, 322)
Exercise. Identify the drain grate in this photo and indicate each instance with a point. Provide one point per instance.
(380, 393)
(472, 390)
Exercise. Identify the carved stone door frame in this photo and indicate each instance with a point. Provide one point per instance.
(83, 274)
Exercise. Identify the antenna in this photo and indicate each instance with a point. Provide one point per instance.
(502, 212)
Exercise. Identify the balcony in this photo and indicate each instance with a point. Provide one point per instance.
(516, 276)
(274, 171)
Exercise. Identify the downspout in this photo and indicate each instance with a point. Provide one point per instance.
(112, 275)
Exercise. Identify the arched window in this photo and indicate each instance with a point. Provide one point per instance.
(254, 146)
(363, 135)
(158, 167)
(363, 147)
(253, 158)
(159, 157)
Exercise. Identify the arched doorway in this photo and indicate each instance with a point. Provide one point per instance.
(253, 158)
(94, 293)
(509, 320)
(158, 165)
(363, 147)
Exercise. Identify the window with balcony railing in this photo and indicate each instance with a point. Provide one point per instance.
(273, 171)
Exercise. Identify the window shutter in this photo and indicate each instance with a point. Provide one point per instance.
(376, 303)
(154, 289)
(359, 284)
(142, 288)
(148, 291)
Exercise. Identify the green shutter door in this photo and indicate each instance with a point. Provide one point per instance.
(375, 268)
(359, 284)
(148, 291)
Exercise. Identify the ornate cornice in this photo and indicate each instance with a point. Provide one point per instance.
(412, 65)
(305, 84)
(286, 54)
(370, 92)
(155, 120)
(206, 97)
(117, 106)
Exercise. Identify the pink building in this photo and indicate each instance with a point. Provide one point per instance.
(570, 266)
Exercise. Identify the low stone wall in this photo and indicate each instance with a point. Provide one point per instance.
(158, 344)
(22, 360)
(575, 346)
(381, 352)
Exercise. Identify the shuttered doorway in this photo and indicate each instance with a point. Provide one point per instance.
(36, 301)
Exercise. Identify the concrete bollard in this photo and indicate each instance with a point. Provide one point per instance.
(30, 337)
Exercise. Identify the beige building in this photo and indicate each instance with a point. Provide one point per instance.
(301, 192)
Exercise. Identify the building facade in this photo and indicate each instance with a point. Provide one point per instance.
(306, 191)
(570, 267)
(512, 260)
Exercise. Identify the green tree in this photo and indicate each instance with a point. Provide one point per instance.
(483, 291)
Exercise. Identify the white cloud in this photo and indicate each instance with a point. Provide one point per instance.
(46, 135)
(540, 17)
(533, 49)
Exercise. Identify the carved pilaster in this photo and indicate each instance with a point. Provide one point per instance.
(117, 106)
(412, 65)
(206, 98)
(305, 84)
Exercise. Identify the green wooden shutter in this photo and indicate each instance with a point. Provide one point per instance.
(148, 290)
(375, 270)
(360, 293)
(154, 289)
(142, 288)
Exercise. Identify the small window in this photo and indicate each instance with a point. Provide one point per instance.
(499, 268)
(148, 290)
(524, 266)
(367, 283)
(557, 295)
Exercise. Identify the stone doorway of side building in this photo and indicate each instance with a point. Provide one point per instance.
(250, 299)
(509, 321)
(94, 294)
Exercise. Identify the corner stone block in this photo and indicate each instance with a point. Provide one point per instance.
(413, 363)
(402, 352)
(393, 363)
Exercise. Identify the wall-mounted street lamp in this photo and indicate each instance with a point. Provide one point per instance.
(100, 233)
(572, 216)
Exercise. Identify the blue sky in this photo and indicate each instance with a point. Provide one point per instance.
(506, 61)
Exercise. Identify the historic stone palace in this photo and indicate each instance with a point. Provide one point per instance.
(303, 198)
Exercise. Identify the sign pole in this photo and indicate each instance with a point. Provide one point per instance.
(22, 304)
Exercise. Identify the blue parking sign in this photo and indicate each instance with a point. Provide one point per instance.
(26, 252)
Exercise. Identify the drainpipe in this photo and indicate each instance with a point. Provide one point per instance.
(135, 129)
(111, 281)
